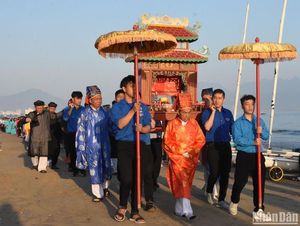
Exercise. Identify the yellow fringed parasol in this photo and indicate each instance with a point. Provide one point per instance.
(268, 51)
(259, 53)
(122, 43)
(127, 43)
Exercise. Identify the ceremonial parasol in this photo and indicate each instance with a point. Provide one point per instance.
(133, 42)
(259, 53)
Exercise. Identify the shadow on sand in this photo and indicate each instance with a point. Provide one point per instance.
(8, 216)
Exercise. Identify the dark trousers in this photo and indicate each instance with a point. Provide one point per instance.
(54, 150)
(71, 149)
(246, 164)
(65, 143)
(219, 160)
(127, 173)
(147, 171)
(113, 147)
(156, 147)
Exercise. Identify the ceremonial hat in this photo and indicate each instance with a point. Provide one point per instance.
(92, 91)
(185, 100)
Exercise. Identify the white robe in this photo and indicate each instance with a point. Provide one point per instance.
(183, 207)
(40, 162)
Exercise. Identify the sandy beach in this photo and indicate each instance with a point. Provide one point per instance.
(29, 198)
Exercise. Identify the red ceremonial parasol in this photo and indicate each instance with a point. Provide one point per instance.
(259, 53)
(128, 43)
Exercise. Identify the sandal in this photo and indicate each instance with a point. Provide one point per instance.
(150, 207)
(178, 215)
(136, 218)
(96, 199)
(106, 192)
(191, 217)
(120, 216)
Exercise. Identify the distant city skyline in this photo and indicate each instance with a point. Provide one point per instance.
(49, 45)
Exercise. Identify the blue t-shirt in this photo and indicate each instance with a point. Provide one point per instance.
(73, 118)
(222, 125)
(244, 134)
(128, 133)
(112, 129)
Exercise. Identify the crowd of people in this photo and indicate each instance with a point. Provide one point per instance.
(102, 142)
(9, 125)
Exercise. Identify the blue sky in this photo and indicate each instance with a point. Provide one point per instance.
(49, 44)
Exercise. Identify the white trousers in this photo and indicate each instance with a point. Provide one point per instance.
(40, 162)
(114, 164)
(183, 207)
(97, 189)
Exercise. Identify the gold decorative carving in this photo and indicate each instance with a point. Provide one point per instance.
(150, 65)
(147, 19)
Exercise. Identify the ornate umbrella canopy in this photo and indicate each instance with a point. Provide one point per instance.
(122, 43)
(266, 51)
(125, 43)
(259, 53)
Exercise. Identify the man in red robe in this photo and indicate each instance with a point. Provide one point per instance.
(183, 141)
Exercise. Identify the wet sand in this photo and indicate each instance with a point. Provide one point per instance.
(29, 198)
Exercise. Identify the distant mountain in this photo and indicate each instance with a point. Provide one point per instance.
(25, 99)
(288, 93)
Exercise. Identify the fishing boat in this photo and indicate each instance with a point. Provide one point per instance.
(280, 163)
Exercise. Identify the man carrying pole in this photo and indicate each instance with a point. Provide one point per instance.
(244, 136)
(124, 123)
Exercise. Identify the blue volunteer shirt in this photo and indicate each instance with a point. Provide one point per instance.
(222, 125)
(244, 134)
(73, 118)
(128, 133)
(112, 129)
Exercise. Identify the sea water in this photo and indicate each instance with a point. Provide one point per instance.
(286, 129)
